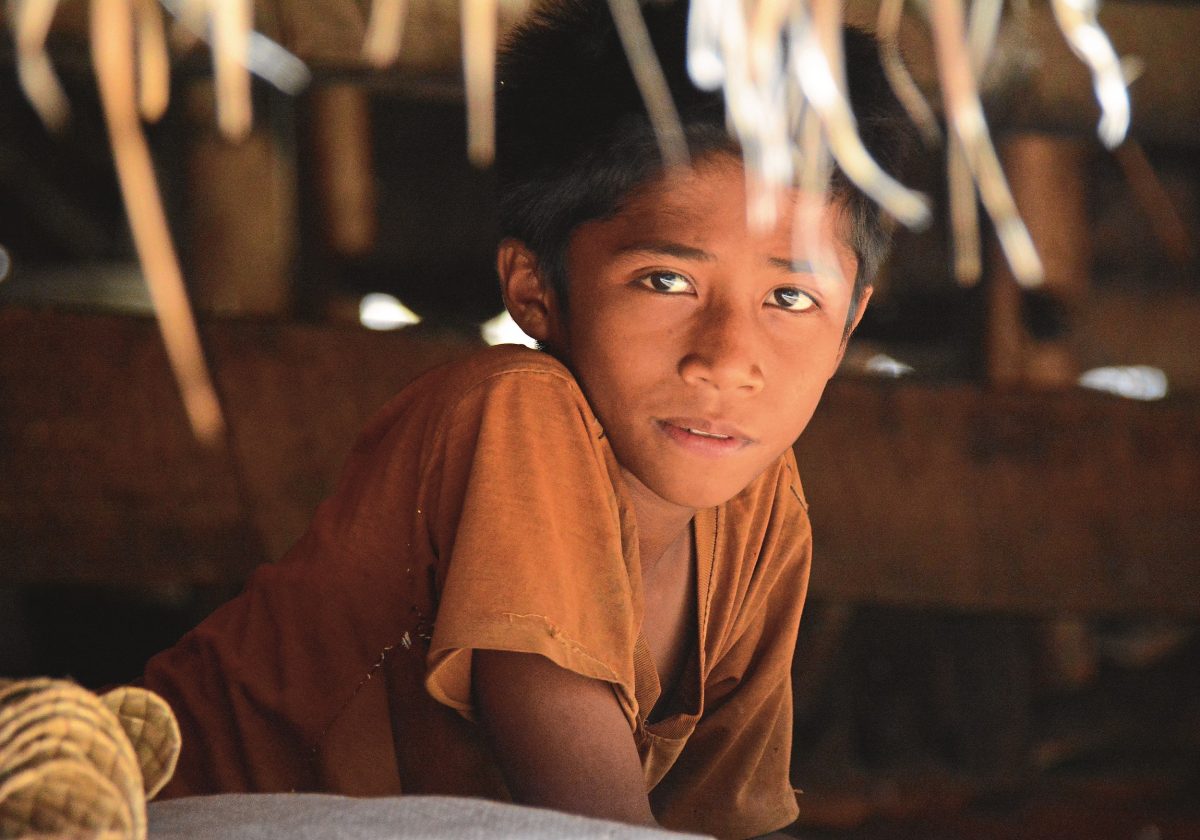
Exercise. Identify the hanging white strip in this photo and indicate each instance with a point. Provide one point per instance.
(30, 21)
(964, 113)
(1079, 25)
(817, 80)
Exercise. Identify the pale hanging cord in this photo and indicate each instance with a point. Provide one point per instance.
(112, 39)
(385, 31)
(763, 55)
(263, 57)
(30, 21)
(232, 21)
(964, 114)
(816, 168)
(819, 84)
(983, 27)
(1077, 20)
(648, 75)
(153, 60)
(479, 25)
(964, 215)
(906, 90)
(817, 156)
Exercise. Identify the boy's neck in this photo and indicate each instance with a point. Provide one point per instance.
(660, 524)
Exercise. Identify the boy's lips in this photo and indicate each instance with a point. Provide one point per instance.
(705, 436)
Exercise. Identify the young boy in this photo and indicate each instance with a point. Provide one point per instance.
(568, 578)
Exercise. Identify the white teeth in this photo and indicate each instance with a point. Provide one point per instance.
(708, 434)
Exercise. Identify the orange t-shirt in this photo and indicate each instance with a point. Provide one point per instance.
(483, 508)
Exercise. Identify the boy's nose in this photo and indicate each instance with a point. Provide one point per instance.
(723, 355)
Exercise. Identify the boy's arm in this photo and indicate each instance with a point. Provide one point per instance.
(559, 738)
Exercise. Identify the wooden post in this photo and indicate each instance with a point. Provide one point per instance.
(1028, 334)
(340, 138)
(241, 212)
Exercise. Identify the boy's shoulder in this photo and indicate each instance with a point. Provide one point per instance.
(511, 358)
(489, 365)
(470, 382)
(511, 392)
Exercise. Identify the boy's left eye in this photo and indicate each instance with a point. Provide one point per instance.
(792, 299)
(666, 282)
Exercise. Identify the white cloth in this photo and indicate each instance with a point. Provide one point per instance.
(305, 816)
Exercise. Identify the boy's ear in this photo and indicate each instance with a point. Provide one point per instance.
(529, 298)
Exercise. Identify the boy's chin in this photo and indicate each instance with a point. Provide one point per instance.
(697, 495)
(690, 486)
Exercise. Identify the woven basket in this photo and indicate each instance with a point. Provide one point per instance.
(151, 727)
(76, 765)
(62, 797)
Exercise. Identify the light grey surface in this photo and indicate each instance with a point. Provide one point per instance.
(308, 816)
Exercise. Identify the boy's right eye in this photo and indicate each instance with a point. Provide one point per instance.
(666, 282)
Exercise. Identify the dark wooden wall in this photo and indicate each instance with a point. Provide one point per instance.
(922, 494)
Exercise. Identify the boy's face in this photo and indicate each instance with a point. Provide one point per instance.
(702, 346)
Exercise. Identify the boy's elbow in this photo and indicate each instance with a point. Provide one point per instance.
(560, 739)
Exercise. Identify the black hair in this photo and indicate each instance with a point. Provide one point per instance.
(574, 139)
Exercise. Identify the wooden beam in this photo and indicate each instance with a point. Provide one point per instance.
(944, 496)
(101, 481)
(1044, 502)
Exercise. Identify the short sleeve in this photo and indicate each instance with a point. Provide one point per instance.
(526, 524)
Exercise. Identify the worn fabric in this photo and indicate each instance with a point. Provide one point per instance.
(483, 509)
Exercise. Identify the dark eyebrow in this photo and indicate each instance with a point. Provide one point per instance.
(800, 267)
(794, 266)
(667, 249)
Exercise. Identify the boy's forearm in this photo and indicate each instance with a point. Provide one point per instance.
(559, 738)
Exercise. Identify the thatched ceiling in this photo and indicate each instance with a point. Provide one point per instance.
(1035, 82)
